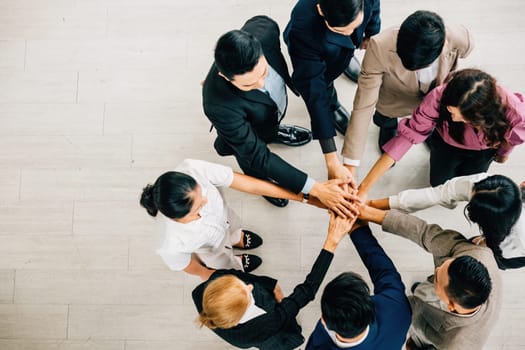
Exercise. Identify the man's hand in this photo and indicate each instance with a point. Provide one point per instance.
(334, 197)
(278, 293)
(336, 170)
(338, 228)
(364, 44)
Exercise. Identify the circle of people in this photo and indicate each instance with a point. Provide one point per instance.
(464, 116)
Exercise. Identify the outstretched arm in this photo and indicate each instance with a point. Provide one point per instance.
(252, 185)
(384, 163)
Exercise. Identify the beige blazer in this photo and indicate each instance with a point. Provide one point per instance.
(384, 84)
(431, 326)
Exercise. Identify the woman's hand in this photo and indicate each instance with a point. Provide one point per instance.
(500, 159)
(278, 293)
(338, 228)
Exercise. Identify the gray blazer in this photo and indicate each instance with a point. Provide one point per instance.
(432, 327)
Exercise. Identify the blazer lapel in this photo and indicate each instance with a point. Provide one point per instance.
(255, 96)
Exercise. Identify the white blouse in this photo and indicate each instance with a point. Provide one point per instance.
(448, 195)
(177, 241)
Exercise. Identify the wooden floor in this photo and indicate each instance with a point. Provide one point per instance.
(99, 97)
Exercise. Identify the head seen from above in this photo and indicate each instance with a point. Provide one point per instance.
(347, 307)
(224, 302)
(420, 40)
(176, 195)
(462, 283)
(496, 206)
(240, 60)
(471, 97)
(341, 16)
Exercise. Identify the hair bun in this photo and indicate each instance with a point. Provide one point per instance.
(147, 200)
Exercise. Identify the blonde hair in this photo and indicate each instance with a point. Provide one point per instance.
(224, 302)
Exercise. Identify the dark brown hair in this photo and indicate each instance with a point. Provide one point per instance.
(476, 95)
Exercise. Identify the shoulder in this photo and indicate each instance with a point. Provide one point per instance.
(265, 29)
(384, 42)
(458, 37)
(216, 90)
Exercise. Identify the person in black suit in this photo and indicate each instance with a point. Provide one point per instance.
(249, 311)
(244, 97)
(321, 37)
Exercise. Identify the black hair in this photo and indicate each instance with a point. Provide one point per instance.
(347, 306)
(420, 39)
(469, 283)
(496, 207)
(169, 195)
(237, 52)
(340, 13)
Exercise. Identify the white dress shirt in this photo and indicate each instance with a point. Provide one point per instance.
(210, 236)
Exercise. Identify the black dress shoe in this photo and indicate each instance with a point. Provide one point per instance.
(278, 202)
(353, 69)
(385, 135)
(293, 135)
(250, 262)
(341, 118)
(250, 240)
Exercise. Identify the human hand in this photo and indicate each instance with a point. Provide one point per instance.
(338, 228)
(278, 293)
(334, 197)
(362, 195)
(500, 159)
(336, 170)
(364, 44)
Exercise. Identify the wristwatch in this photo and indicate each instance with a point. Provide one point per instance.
(306, 197)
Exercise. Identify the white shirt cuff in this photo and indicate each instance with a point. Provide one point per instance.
(352, 162)
(393, 202)
(308, 185)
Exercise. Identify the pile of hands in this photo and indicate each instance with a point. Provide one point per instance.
(340, 194)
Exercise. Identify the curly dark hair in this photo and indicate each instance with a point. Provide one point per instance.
(475, 94)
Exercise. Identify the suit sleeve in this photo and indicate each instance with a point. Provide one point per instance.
(308, 78)
(431, 237)
(272, 322)
(365, 100)
(238, 133)
(382, 271)
(374, 24)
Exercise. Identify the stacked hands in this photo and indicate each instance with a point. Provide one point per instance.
(340, 194)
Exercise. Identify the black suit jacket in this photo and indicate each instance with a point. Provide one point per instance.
(319, 56)
(277, 329)
(247, 121)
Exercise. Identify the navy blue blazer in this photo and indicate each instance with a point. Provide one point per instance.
(319, 56)
(393, 313)
(246, 121)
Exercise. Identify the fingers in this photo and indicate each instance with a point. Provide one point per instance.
(337, 211)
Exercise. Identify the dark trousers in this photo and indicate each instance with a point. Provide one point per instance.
(447, 161)
(334, 102)
(384, 122)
